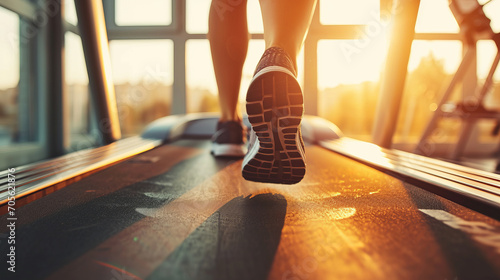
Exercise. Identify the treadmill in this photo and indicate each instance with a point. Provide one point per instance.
(160, 206)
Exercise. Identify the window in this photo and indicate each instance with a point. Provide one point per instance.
(492, 10)
(197, 17)
(20, 140)
(435, 16)
(431, 66)
(254, 17)
(200, 77)
(9, 83)
(201, 87)
(143, 77)
(340, 12)
(76, 87)
(144, 12)
(70, 12)
(348, 82)
(486, 51)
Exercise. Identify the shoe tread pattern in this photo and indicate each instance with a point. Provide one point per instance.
(275, 108)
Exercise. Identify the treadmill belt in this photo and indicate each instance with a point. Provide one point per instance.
(176, 212)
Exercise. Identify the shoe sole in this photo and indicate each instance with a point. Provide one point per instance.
(228, 150)
(275, 106)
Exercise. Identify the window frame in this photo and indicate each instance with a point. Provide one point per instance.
(177, 32)
(33, 145)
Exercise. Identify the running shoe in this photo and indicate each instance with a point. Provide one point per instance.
(275, 108)
(229, 140)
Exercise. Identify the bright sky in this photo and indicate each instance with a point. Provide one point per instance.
(339, 62)
(9, 50)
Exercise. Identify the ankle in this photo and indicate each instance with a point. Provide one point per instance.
(290, 51)
(229, 118)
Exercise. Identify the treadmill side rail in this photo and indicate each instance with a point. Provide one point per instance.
(471, 183)
(34, 178)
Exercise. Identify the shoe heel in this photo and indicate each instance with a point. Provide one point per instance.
(275, 108)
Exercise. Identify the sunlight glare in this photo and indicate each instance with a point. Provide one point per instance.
(145, 12)
(9, 49)
(339, 12)
(350, 61)
(492, 10)
(75, 68)
(197, 17)
(450, 52)
(135, 61)
(70, 12)
(486, 51)
(435, 16)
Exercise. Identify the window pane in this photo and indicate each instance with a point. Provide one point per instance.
(340, 12)
(254, 17)
(197, 16)
(200, 77)
(492, 10)
(348, 83)
(432, 64)
(486, 51)
(435, 16)
(143, 77)
(350, 61)
(145, 12)
(70, 12)
(201, 87)
(448, 52)
(76, 87)
(9, 73)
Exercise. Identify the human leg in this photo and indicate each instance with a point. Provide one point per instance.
(228, 36)
(286, 23)
(274, 98)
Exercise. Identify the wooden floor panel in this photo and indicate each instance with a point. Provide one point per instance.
(194, 217)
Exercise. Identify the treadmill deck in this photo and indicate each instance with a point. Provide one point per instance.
(176, 212)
